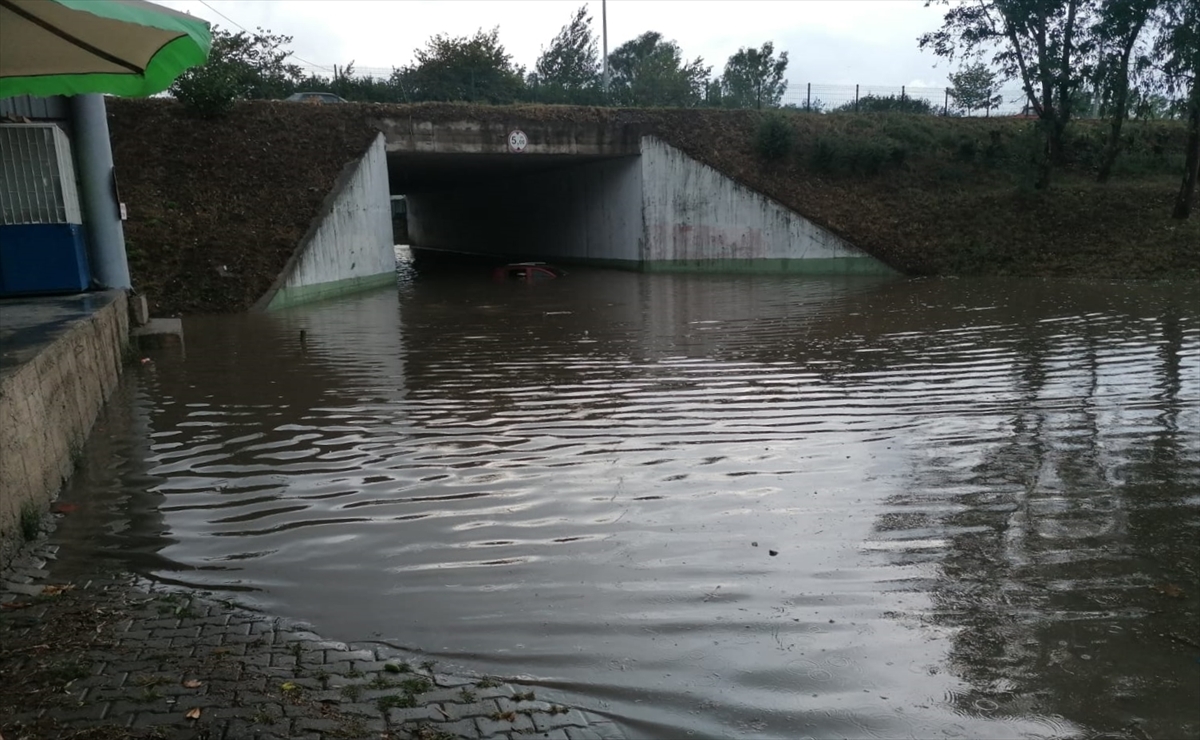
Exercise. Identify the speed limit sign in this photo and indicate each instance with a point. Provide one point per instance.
(517, 141)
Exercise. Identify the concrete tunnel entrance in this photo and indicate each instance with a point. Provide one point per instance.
(598, 193)
(559, 207)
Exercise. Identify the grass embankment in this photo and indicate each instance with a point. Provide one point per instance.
(934, 195)
(216, 207)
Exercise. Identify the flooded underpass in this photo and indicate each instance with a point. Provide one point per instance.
(738, 506)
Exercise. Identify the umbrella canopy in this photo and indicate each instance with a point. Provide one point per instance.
(70, 47)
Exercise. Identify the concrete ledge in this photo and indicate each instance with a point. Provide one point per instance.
(158, 333)
(294, 296)
(51, 396)
(776, 266)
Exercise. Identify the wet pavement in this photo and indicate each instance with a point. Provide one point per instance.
(28, 325)
(104, 654)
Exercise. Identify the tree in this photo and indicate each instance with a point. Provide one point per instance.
(240, 65)
(1178, 45)
(974, 87)
(753, 78)
(570, 69)
(475, 68)
(886, 104)
(1118, 26)
(649, 72)
(1039, 42)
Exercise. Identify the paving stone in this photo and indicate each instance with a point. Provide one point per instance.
(360, 708)
(441, 696)
(121, 713)
(509, 705)
(24, 589)
(583, 733)
(90, 712)
(489, 727)
(307, 724)
(607, 730)
(545, 721)
(475, 709)
(451, 682)
(337, 681)
(339, 667)
(463, 728)
(503, 691)
(144, 720)
(283, 661)
(255, 659)
(351, 655)
(400, 715)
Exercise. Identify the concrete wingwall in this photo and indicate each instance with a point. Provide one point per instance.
(47, 408)
(349, 245)
(699, 219)
(590, 212)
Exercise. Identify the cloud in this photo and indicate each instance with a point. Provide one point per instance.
(869, 41)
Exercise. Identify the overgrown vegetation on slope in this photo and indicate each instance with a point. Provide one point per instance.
(216, 207)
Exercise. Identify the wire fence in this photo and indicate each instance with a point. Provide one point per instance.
(815, 96)
(808, 96)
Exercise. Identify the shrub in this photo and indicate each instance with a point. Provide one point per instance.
(31, 521)
(865, 156)
(207, 91)
(775, 137)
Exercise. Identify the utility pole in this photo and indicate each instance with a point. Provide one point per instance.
(604, 35)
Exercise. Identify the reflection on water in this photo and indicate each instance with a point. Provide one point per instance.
(743, 506)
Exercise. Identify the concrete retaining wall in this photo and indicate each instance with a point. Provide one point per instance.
(699, 219)
(47, 407)
(590, 212)
(349, 246)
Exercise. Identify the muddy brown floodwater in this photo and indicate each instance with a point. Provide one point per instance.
(726, 506)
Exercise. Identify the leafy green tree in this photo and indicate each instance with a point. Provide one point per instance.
(569, 70)
(1177, 47)
(475, 68)
(974, 87)
(753, 78)
(650, 72)
(1149, 105)
(240, 66)
(887, 104)
(1042, 43)
(1119, 25)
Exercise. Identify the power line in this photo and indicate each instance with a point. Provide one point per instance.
(239, 25)
(247, 30)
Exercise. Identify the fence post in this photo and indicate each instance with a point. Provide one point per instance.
(856, 98)
(946, 104)
(808, 98)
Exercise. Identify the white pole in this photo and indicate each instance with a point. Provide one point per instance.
(604, 34)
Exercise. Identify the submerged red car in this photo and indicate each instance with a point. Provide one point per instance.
(527, 271)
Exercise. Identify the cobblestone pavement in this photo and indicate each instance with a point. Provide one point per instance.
(112, 656)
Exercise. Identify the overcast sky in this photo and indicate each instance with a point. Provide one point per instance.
(828, 41)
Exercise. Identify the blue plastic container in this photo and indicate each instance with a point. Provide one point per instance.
(43, 258)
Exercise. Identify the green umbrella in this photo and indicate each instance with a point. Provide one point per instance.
(70, 47)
